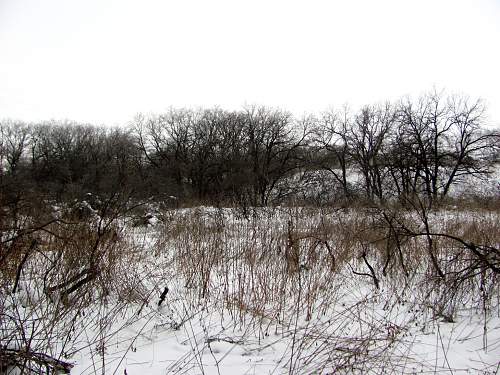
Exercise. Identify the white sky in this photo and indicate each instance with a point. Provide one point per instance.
(103, 61)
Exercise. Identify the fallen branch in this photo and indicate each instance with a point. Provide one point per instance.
(19, 358)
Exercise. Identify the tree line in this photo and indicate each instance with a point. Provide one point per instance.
(256, 156)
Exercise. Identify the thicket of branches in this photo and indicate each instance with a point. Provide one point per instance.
(68, 192)
(256, 156)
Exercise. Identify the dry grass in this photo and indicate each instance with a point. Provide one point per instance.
(291, 271)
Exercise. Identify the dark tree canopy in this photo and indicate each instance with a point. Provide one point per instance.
(257, 155)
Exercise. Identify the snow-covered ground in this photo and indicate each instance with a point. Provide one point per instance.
(358, 336)
(209, 291)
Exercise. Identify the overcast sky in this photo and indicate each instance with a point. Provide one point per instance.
(103, 61)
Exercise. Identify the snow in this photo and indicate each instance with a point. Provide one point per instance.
(317, 321)
(210, 344)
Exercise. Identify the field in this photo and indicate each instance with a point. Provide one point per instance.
(223, 188)
(258, 291)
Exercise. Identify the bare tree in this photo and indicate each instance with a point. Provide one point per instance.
(444, 142)
(15, 139)
(332, 137)
(273, 148)
(367, 137)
